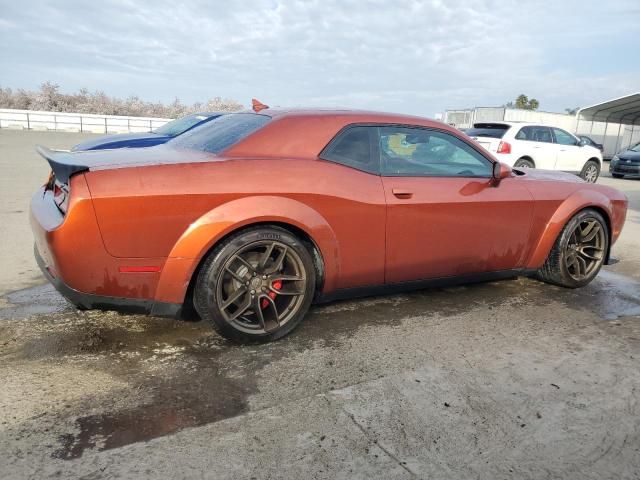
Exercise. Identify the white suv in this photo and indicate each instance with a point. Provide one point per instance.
(528, 145)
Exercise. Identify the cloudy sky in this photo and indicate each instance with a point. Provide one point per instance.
(403, 55)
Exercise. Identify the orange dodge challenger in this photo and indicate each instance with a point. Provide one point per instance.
(251, 218)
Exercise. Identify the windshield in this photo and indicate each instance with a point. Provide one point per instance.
(220, 134)
(492, 130)
(180, 125)
(635, 148)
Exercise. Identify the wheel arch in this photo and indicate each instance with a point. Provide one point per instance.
(594, 159)
(527, 157)
(203, 235)
(309, 242)
(579, 201)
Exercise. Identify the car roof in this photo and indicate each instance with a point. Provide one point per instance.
(515, 123)
(305, 132)
(346, 117)
(499, 122)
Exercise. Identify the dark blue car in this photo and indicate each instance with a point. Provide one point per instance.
(148, 139)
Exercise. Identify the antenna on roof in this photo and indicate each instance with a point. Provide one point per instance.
(257, 105)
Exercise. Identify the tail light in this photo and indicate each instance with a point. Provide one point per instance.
(504, 147)
(60, 192)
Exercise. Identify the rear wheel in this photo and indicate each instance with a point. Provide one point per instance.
(590, 171)
(256, 286)
(579, 251)
(524, 163)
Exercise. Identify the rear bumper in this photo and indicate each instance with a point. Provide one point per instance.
(89, 301)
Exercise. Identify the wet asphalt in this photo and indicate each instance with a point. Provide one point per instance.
(503, 379)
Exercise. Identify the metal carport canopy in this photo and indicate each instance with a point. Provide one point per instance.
(624, 110)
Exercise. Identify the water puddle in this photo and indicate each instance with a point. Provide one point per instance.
(190, 401)
(613, 295)
(39, 300)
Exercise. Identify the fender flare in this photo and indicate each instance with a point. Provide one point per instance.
(579, 200)
(207, 230)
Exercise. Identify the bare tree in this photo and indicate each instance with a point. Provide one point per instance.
(49, 98)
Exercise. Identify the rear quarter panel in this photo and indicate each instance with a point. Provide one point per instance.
(74, 251)
(145, 211)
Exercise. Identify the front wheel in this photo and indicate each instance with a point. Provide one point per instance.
(617, 175)
(256, 286)
(590, 171)
(579, 251)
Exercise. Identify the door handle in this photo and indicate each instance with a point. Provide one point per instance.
(400, 193)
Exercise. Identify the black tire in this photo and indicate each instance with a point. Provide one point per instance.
(556, 271)
(219, 275)
(617, 175)
(590, 171)
(524, 163)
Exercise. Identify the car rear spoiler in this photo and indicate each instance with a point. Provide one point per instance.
(62, 163)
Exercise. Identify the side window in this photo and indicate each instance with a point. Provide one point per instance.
(525, 133)
(535, 134)
(352, 147)
(408, 151)
(564, 138)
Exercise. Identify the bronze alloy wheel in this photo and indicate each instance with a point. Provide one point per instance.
(261, 287)
(579, 251)
(585, 249)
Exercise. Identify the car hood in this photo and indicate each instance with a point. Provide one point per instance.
(65, 163)
(121, 138)
(548, 175)
(594, 150)
(629, 155)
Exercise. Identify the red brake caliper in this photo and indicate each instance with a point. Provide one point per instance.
(277, 285)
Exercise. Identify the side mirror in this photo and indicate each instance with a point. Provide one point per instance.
(582, 142)
(500, 171)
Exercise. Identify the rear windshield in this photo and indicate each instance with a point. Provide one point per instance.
(492, 130)
(181, 125)
(220, 134)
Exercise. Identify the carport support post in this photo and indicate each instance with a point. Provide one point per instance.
(615, 150)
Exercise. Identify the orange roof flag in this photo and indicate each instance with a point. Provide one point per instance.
(257, 105)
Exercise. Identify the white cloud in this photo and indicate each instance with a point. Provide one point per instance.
(407, 55)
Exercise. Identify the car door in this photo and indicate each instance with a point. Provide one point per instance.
(569, 153)
(348, 193)
(445, 214)
(536, 141)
